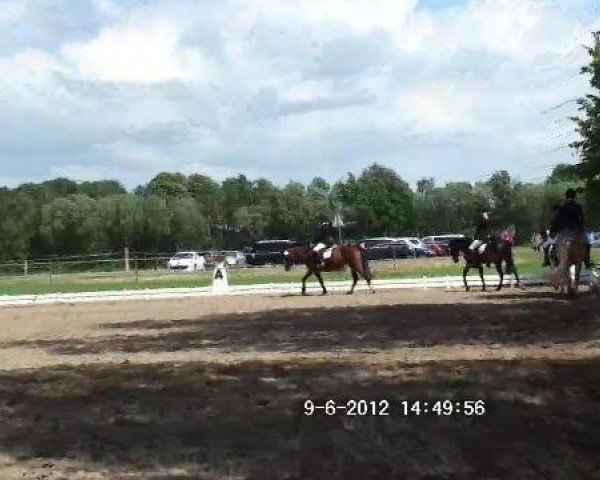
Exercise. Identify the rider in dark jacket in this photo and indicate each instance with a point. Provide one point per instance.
(323, 239)
(570, 215)
(483, 232)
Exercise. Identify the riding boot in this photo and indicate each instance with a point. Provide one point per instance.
(546, 258)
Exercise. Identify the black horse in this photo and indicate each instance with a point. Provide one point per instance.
(496, 252)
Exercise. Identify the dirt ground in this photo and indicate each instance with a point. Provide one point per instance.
(213, 388)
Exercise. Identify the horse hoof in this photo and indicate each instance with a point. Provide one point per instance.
(324, 293)
(349, 293)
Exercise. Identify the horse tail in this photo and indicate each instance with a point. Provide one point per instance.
(364, 261)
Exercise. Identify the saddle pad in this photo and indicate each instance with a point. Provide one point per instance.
(327, 253)
(482, 248)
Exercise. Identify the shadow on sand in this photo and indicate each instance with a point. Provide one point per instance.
(244, 419)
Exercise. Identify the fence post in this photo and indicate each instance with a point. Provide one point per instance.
(137, 278)
(126, 254)
(25, 268)
(156, 264)
(50, 272)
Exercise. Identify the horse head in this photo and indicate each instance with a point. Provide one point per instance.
(456, 246)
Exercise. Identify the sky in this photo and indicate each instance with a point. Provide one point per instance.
(289, 90)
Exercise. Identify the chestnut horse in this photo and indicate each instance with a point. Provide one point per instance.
(352, 256)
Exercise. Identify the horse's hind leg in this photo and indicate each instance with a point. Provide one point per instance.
(366, 274)
(499, 270)
(308, 274)
(465, 271)
(354, 281)
(516, 275)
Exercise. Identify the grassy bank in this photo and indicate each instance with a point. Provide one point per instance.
(528, 263)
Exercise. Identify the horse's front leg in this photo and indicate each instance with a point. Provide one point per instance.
(318, 274)
(308, 274)
(465, 271)
(481, 276)
(501, 273)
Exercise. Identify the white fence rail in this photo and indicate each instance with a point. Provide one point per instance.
(447, 282)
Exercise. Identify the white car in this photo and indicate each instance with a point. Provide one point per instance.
(417, 247)
(234, 258)
(594, 238)
(187, 261)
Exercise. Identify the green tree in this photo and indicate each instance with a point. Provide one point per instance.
(17, 216)
(208, 194)
(588, 127)
(168, 185)
(253, 219)
(121, 218)
(188, 226)
(425, 186)
(156, 224)
(383, 202)
(101, 188)
(72, 225)
(564, 173)
(237, 192)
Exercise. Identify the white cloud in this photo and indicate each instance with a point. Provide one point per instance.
(145, 55)
(283, 89)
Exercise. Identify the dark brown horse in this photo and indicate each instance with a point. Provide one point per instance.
(497, 252)
(352, 256)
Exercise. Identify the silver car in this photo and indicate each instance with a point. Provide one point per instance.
(234, 258)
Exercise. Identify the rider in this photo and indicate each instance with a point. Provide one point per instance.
(570, 215)
(323, 240)
(483, 234)
(550, 236)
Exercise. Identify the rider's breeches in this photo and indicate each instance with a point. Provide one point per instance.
(476, 244)
(318, 247)
(549, 241)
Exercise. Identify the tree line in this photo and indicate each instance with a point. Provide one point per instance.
(174, 211)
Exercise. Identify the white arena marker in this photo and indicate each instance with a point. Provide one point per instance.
(220, 279)
(447, 282)
(424, 282)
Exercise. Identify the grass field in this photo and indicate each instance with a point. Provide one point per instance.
(528, 263)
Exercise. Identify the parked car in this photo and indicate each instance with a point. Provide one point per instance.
(210, 257)
(382, 248)
(595, 239)
(439, 243)
(188, 261)
(233, 258)
(266, 252)
(417, 247)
